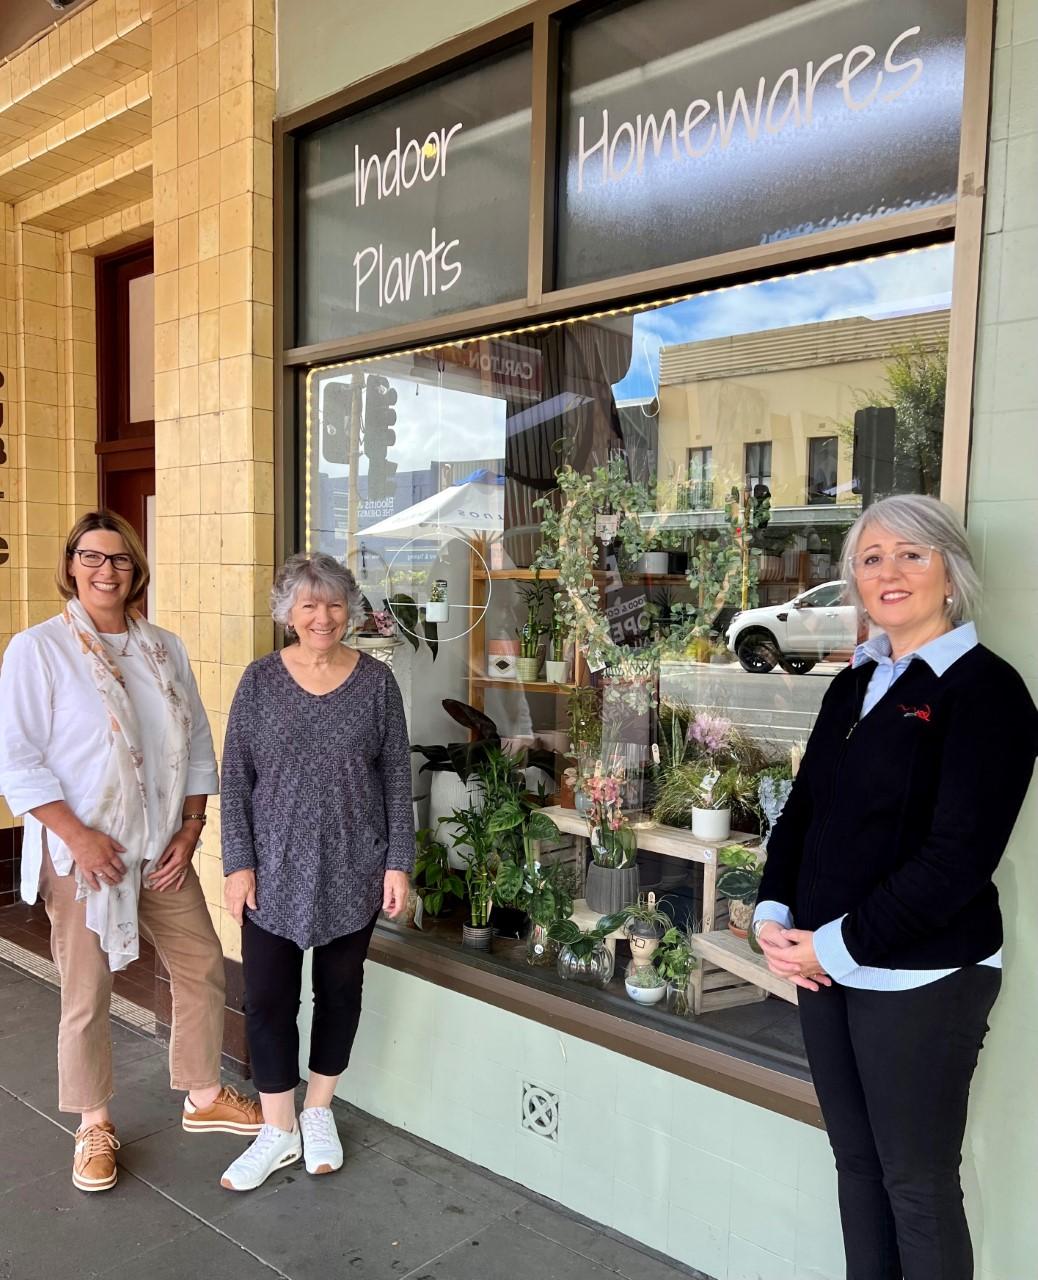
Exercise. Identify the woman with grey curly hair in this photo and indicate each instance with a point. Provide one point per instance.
(877, 898)
(318, 837)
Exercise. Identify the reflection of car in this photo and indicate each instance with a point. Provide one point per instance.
(795, 635)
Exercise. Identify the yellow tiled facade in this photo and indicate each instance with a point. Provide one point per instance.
(127, 121)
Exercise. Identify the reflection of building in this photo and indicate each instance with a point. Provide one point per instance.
(776, 408)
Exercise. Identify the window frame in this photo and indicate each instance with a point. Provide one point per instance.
(541, 21)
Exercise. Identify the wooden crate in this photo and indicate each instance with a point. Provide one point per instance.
(733, 974)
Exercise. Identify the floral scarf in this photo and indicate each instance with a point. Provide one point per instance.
(122, 810)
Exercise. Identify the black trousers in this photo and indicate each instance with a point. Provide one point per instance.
(892, 1070)
(273, 971)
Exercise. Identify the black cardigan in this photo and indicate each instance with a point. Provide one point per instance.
(898, 820)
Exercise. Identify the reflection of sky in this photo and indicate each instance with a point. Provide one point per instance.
(887, 286)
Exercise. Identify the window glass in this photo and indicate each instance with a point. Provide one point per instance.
(674, 443)
(694, 129)
(419, 206)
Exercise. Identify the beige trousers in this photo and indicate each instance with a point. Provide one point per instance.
(179, 926)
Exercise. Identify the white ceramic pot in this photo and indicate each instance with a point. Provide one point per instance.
(557, 672)
(655, 562)
(645, 995)
(381, 647)
(711, 824)
(437, 611)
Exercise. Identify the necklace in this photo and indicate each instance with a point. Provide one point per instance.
(124, 651)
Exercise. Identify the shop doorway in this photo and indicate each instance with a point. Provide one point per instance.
(125, 296)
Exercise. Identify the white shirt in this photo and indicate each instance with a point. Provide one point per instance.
(55, 739)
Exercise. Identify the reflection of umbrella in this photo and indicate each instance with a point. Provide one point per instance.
(476, 505)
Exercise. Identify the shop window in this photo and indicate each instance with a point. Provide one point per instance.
(822, 466)
(693, 129)
(556, 592)
(395, 201)
(699, 494)
(758, 466)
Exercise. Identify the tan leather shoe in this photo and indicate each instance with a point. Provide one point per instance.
(93, 1166)
(231, 1112)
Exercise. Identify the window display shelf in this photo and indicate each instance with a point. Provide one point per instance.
(528, 686)
(674, 842)
(733, 955)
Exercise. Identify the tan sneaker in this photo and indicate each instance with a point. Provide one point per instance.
(93, 1167)
(231, 1112)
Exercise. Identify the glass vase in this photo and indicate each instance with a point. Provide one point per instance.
(540, 949)
(594, 969)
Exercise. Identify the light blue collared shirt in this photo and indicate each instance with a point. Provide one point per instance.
(830, 947)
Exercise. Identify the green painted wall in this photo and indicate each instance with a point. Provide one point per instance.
(737, 1192)
(1001, 1154)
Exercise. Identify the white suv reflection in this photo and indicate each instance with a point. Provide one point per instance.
(795, 635)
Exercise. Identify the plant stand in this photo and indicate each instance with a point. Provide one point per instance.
(735, 974)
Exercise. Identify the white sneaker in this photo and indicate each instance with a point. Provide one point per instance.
(272, 1149)
(320, 1140)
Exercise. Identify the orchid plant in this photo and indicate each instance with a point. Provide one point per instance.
(612, 840)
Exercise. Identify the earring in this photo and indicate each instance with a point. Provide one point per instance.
(948, 599)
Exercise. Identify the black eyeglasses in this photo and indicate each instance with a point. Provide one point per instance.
(95, 559)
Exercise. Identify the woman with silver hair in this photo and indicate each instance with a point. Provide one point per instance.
(877, 898)
(318, 837)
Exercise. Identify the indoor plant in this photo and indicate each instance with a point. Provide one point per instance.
(584, 955)
(644, 924)
(438, 610)
(436, 881)
(528, 664)
(557, 668)
(676, 961)
(738, 880)
(612, 877)
(645, 984)
(473, 833)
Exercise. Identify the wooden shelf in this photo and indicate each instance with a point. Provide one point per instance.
(735, 956)
(672, 841)
(528, 686)
(515, 575)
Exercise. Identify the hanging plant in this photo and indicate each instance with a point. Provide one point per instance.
(717, 568)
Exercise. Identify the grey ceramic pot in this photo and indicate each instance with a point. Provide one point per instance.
(476, 938)
(609, 890)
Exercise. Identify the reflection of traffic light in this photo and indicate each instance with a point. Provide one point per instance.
(336, 404)
(873, 464)
(379, 420)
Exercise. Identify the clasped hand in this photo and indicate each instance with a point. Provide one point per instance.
(790, 953)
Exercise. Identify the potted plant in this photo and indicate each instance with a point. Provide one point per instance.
(377, 634)
(557, 667)
(545, 894)
(436, 881)
(438, 610)
(645, 984)
(738, 880)
(612, 877)
(473, 833)
(644, 924)
(676, 962)
(528, 664)
(584, 955)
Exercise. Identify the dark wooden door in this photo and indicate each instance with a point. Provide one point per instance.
(125, 384)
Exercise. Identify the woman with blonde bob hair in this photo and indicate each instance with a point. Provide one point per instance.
(877, 899)
(105, 751)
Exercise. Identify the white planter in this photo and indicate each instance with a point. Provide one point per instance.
(645, 995)
(655, 562)
(381, 647)
(557, 672)
(447, 792)
(437, 611)
(711, 824)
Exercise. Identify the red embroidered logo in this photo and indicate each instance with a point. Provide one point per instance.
(915, 713)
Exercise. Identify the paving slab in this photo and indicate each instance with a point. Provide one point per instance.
(374, 1218)
(199, 1253)
(432, 1162)
(49, 1229)
(33, 1145)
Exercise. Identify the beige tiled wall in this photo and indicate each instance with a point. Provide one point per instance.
(213, 100)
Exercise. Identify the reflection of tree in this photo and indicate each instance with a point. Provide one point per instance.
(915, 378)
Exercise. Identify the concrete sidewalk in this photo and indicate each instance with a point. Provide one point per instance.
(398, 1208)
